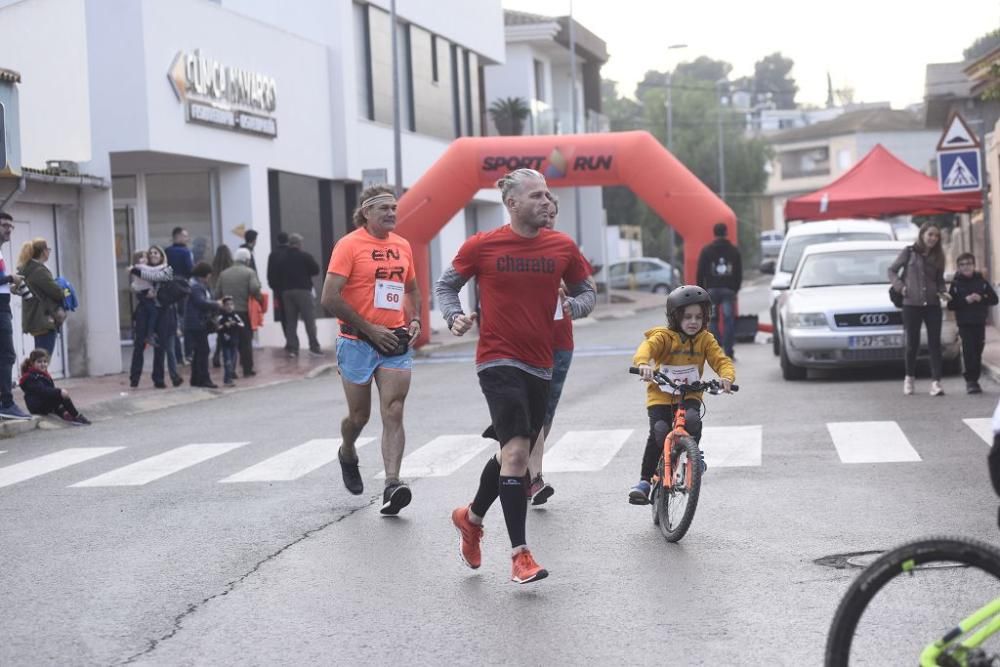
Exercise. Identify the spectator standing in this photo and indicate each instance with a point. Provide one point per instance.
(971, 297)
(223, 260)
(249, 242)
(198, 321)
(159, 321)
(922, 287)
(41, 394)
(42, 306)
(240, 282)
(720, 273)
(230, 326)
(298, 268)
(8, 408)
(275, 275)
(181, 261)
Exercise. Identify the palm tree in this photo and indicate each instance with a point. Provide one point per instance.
(508, 115)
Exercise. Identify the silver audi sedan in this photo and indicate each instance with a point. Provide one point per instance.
(836, 312)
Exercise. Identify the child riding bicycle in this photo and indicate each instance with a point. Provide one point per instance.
(680, 351)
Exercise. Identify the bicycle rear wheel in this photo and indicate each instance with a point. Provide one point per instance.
(674, 505)
(928, 556)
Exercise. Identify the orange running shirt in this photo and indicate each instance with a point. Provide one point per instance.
(377, 271)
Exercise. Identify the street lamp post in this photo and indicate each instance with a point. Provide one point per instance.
(722, 152)
(396, 136)
(670, 105)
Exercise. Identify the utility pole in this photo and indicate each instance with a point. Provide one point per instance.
(722, 152)
(671, 241)
(396, 134)
(573, 110)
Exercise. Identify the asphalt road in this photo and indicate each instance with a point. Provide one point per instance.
(186, 569)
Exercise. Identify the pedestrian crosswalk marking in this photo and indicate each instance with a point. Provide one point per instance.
(20, 472)
(983, 427)
(582, 451)
(295, 462)
(732, 446)
(161, 465)
(442, 456)
(871, 442)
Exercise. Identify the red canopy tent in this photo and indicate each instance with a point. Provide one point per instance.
(880, 185)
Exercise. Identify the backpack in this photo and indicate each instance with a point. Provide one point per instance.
(170, 292)
(70, 301)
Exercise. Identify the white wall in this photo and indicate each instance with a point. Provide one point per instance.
(515, 78)
(916, 149)
(46, 41)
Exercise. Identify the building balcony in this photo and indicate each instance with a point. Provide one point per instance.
(553, 121)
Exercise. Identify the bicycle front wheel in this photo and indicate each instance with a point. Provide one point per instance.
(675, 503)
(947, 579)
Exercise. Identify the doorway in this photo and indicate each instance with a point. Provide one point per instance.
(125, 246)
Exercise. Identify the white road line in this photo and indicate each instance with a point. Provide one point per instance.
(442, 456)
(983, 427)
(579, 451)
(732, 446)
(161, 465)
(293, 463)
(871, 442)
(50, 462)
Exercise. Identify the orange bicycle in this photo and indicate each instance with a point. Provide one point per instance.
(677, 481)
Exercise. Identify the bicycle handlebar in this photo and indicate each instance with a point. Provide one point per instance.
(710, 386)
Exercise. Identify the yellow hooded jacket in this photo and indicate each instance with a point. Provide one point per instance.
(664, 347)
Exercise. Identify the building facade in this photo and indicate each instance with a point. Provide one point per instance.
(226, 116)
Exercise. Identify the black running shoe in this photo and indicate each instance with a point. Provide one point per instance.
(395, 497)
(352, 476)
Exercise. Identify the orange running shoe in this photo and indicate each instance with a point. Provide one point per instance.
(471, 534)
(525, 570)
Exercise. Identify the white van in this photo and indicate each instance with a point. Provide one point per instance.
(805, 234)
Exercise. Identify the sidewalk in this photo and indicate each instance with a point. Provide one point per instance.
(991, 353)
(109, 396)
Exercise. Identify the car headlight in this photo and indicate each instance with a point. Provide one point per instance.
(804, 320)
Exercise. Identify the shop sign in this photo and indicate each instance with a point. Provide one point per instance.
(224, 96)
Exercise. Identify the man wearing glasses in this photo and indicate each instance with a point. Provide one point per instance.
(8, 409)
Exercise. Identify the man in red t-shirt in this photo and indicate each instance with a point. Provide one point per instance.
(372, 289)
(518, 268)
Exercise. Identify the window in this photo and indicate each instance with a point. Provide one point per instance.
(456, 92)
(618, 270)
(796, 245)
(805, 162)
(407, 117)
(434, 59)
(539, 81)
(467, 90)
(363, 62)
(181, 200)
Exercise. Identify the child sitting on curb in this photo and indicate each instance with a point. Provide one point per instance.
(40, 392)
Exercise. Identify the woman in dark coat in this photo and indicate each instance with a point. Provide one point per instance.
(923, 290)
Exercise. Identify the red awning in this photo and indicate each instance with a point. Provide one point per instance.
(880, 185)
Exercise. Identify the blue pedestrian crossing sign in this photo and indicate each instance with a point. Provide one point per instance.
(959, 170)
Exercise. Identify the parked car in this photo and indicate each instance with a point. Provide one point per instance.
(836, 312)
(770, 243)
(644, 273)
(800, 237)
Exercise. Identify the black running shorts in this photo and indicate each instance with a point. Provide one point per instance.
(517, 401)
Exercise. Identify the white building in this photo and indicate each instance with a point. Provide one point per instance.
(539, 70)
(223, 116)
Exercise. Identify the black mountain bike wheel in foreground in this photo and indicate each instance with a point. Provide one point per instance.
(927, 555)
(674, 506)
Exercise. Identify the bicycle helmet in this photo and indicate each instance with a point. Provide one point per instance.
(684, 296)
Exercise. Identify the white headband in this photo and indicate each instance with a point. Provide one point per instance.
(377, 199)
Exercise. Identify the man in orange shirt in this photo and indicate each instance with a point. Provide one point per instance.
(371, 287)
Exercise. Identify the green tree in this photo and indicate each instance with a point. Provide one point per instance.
(772, 80)
(982, 45)
(699, 88)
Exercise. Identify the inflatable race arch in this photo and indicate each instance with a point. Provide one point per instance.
(633, 159)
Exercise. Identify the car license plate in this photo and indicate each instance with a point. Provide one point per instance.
(856, 342)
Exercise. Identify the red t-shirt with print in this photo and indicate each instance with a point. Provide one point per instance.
(518, 282)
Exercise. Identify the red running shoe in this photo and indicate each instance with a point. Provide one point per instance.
(525, 570)
(471, 535)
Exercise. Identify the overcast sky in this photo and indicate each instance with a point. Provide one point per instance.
(878, 47)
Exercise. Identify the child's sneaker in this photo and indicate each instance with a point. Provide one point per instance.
(83, 421)
(973, 388)
(639, 494)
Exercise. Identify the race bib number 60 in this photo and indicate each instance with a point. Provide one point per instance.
(388, 295)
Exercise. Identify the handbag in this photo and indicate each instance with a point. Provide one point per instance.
(894, 295)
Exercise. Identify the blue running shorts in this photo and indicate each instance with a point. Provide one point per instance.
(357, 361)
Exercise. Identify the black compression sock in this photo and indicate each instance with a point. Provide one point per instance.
(489, 488)
(515, 508)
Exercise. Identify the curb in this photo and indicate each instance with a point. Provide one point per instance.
(13, 427)
(319, 370)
